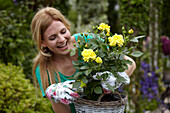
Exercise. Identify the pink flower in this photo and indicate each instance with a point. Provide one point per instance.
(54, 93)
(48, 93)
(74, 94)
(106, 91)
(64, 101)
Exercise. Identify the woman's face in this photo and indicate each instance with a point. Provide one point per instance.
(57, 38)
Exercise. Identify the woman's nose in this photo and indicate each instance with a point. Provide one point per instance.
(61, 38)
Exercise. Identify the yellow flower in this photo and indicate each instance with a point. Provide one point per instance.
(98, 60)
(108, 34)
(116, 39)
(82, 84)
(104, 26)
(88, 54)
(130, 31)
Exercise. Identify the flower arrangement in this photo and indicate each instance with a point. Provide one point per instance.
(102, 59)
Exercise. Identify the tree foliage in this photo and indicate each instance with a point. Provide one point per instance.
(90, 12)
(135, 13)
(15, 36)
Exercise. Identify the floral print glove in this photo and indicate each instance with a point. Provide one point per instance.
(62, 92)
(112, 80)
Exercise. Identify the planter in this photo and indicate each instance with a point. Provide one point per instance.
(89, 106)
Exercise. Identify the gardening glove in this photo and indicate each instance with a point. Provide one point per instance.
(62, 92)
(112, 80)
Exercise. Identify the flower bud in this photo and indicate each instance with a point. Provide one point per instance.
(123, 28)
(98, 60)
(86, 45)
(130, 31)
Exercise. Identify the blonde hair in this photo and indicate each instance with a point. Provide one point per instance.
(40, 22)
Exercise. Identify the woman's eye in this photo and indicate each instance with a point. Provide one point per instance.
(63, 31)
(52, 37)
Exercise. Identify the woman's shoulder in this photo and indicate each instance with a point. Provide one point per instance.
(75, 36)
(37, 72)
(84, 35)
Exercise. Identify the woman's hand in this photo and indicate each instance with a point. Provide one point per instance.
(132, 67)
(112, 80)
(61, 92)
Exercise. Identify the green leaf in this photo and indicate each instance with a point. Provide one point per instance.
(85, 80)
(93, 47)
(75, 63)
(102, 54)
(98, 90)
(87, 72)
(110, 87)
(137, 54)
(76, 84)
(121, 69)
(128, 62)
(135, 39)
(104, 47)
(126, 66)
(113, 68)
(120, 78)
(84, 67)
(130, 48)
(94, 40)
(76, 75)
(121, 56)
(73, 52)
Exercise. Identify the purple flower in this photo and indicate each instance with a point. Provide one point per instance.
(149, 83)
(165, 45)
(15, 2)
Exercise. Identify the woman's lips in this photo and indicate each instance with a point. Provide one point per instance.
(63, 46)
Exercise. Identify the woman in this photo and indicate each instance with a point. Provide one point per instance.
(53, 64)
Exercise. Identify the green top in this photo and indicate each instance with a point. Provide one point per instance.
(62, 77)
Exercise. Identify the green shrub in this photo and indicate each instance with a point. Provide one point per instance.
(17, 94)
(15, 36)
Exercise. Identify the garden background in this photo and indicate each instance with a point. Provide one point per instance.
(17, 50)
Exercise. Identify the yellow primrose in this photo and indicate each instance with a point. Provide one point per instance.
(116, 39)
(98, 60)
(88, 54)
(130, 31)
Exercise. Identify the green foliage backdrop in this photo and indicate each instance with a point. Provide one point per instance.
(17, 94)
(15, 36)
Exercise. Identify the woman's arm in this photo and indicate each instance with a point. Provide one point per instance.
(132, 67)
(60, 108)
